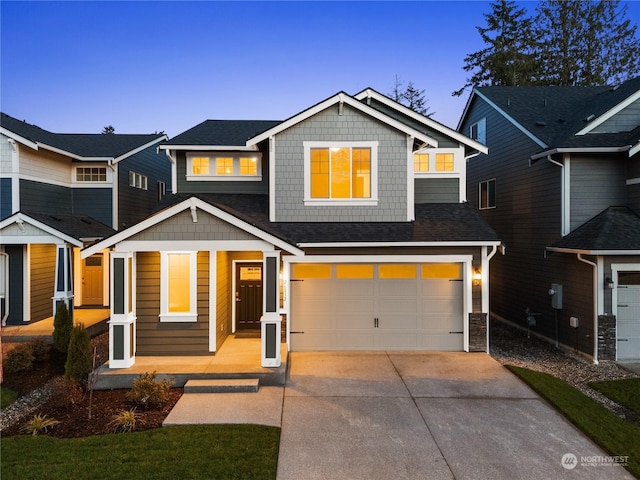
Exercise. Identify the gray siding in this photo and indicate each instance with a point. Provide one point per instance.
(94, 202)
(43, 268)
(352, 125)
(633, 191)
(596, 183)
(437, 190)
(624, 121)
(5, 197)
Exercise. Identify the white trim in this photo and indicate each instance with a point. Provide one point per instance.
(478, 243)
(192, 314)
(411, 183)
(553, 151)
(15, 176)
(18, 138)
(593, 252)
(22, 217)
(213, 300)
(633, 181)
(341, 98)
(495, 184)
(167, 246)
(610, 113)
(600, 285)
(565, 210)
(370, 93)
(115, 198)
(202, 148)
(26, 283)
(634, 149)
(272, 178)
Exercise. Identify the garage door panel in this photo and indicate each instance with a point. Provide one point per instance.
(357, 288)
(397, 341)
(361, 305)
(392, 305)
(315, 321)
(445, 342)
(628, 320)
(441, 304)
(353, 322)
(313, 288)
(310, 341)
(450, 323)
(354, 341)
(398, 322)
(398, 288)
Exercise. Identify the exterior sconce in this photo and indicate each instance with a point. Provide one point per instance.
(608, 283)
(477, 277)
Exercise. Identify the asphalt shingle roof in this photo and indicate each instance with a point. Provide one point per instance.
(616, 228)
(76, 226)
(84, 145)
(222, 132)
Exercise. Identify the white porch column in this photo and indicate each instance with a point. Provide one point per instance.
(122, 325)
(271, 320)
(63, 290)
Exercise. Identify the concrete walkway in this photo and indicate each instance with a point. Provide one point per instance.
(407, 416)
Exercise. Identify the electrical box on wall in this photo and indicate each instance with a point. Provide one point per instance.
(556, 296)
(574, 322)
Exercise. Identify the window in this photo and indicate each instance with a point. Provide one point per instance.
(137, 180)
(351, 271)
(444, 162)
(420, 162)
(178, 287)
(392, 271)
(478, 131)
(488, 194)
(162, 190)
(91, 174)
(344, 172)
(226, 166)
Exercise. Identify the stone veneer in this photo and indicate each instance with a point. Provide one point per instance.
(606, 337)
(477, 332)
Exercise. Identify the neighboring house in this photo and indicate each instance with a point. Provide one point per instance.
(561, 186)
(59, 192)
(348, 220)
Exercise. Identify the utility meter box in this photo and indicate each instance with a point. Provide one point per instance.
(556, 296)
(574, 322)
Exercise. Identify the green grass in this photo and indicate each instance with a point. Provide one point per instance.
(184, 452)
(7, 397)
(610, 432)
(624, 392)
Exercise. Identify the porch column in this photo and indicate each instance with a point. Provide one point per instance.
(63, 290)
(122, 324)
(271, 320)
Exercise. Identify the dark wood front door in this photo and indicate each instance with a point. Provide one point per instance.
(248, 296)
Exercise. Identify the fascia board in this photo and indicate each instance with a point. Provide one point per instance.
(467, 106)
(478, 243)
(22, 217)
(139, 149)
(341, 97)
(609, 113)
(511, 120)
(18, 138)
(634, 149)
(423, 119)
(592, 252)
(553, 151)
(202, 148)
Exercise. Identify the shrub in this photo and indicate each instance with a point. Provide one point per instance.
(40, 349)
(62, 326)
(19, 358)
(124, 421)
(79, 359)
(149, 393)
(66, 393)
(39, 423)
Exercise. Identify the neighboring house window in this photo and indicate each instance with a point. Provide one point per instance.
(340, 172)
(162, 190)
(227, 166)
(420, 162)
(91, 174)
(178, 287)
(488, 194)
(137, 180)
(478, 131)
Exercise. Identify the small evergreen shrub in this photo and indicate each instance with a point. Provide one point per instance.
(62, 327)
(39, 349)
(125, 421)
(149, 393)
(39, 423)
(19, 359)
(79, 359)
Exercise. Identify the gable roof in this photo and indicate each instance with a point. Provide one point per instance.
(216, 134)
(616, 230)
(98, 146)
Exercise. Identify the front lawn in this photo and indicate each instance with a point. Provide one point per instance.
(7, 397)
(184, 452)
(624, 392)
(611, 433)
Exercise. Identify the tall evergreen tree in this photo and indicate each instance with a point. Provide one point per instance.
(410, 96)
(509, 56)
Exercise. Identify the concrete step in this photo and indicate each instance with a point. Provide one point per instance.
(222, 385)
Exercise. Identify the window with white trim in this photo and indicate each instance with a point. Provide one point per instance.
(438, 161)
(91, 174)
(225, 167)
(137, 180)
(341, 173)
(178, 286)
(478, 131)
(487, 192)
(162, 190)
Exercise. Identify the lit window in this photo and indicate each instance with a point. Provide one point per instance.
(444, 162)
(224, 166)
(354, 271)
(305, 270)
(440, 270)
(91, 174)
(178, 287)
(340, 173)
(399, 271)
(420, 162)
(248, 166)
(200, 166)
(488, 194)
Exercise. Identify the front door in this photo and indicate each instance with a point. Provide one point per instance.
(92, 276)
(248, 296)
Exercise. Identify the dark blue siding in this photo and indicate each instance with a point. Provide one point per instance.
(16, 283)
(94, 202)
(5, 197)
(44, 198)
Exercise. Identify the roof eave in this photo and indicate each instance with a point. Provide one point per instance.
(470, 243)
(610, 113)
(203, 148)
(18, 138)
(592, 252)
(554, 151)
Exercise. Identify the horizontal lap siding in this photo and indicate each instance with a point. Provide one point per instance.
(437, 190)
(5, 198)
(166, 338)
(43, 270)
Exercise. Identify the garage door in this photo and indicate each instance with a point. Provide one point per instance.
(628, 319)
(376, 307)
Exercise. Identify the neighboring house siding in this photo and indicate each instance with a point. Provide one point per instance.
(633, 189)
(166, 338)
(596, 184)
(134, 204)
(352, 125)
(42, 259)
(437, 190)
(623, 121)
(5, 197)
(94, 202)
(45, 198)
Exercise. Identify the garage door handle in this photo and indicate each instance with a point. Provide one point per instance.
(623, 305)
(295, 332)
(457, 332)
(623, 339)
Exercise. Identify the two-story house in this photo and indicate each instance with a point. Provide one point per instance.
(561, 186)
(58, 193)
(348, 220)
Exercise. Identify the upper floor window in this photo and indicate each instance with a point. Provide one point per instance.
(487, 194)
(228, 166)
(137, 180)
(340, 172)
(478, 131)
(420, 162)
(444, 162)
(430, 160)
(91, 174)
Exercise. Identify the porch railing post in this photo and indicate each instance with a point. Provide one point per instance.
(271, 320)
(122, 324)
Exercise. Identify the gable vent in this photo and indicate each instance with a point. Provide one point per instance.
(541, 124)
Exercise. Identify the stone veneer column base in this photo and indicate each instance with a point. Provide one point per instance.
(477, 332)
(606, 337)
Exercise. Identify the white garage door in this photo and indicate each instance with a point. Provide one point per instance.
(376, 307)
(628, 319)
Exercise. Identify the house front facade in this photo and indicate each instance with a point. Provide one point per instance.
(59, 193)
(344, 227)
(561, 186)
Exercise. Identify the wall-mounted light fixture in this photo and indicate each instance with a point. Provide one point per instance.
(608, 283)
(477, 277)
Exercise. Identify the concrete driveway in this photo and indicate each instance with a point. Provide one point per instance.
(424, 415)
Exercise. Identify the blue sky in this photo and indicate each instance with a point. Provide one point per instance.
(75, 67)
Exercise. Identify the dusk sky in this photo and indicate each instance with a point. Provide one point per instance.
(75, 67)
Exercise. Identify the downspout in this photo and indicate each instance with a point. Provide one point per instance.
(595, 306)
